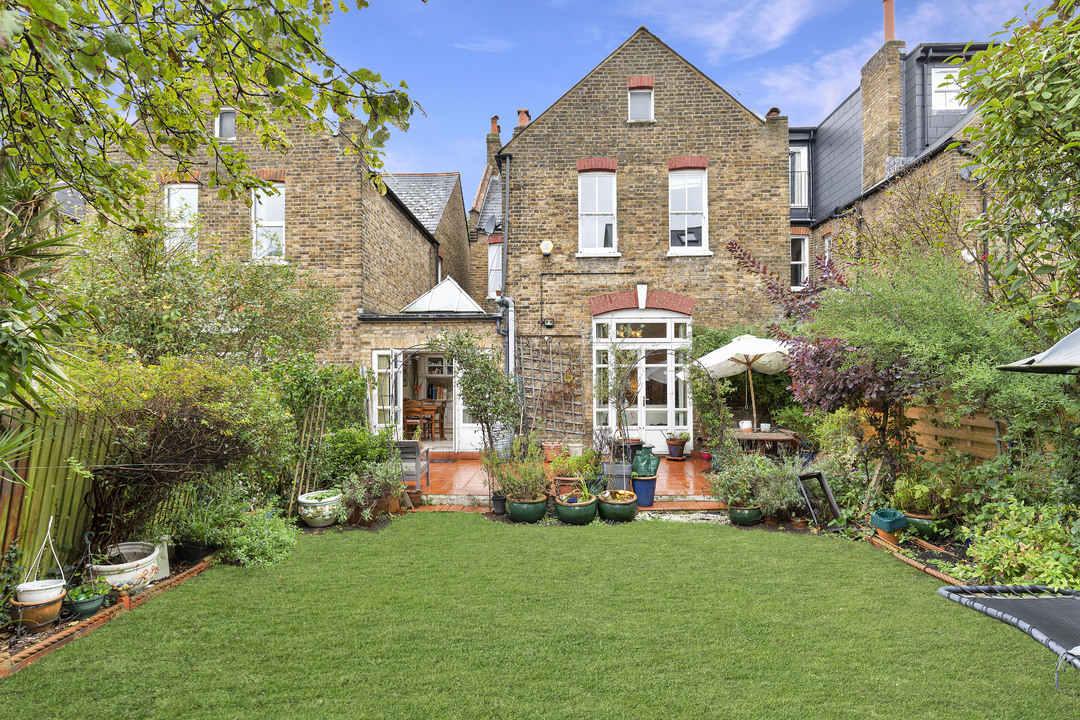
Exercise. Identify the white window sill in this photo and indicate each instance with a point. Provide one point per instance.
(584, 254)
(641, 122)
(798, 288)
(272, 260)
(695, 252)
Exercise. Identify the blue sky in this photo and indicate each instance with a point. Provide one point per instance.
(466, 60)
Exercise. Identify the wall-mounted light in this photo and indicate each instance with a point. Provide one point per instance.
(546, 248)
(549, 323)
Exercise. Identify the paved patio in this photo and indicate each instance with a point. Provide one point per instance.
(461, 482)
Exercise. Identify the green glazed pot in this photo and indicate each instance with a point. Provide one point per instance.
(928, 527)
(580, 514)
(528, 511)
(745, 516)
(621, 511)
(88, 606)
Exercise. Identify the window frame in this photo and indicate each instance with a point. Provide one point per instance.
(613, 251)
(804, 263)
(629, 106)
(494, 274)
(804, 152)
(217, 124)
(256, 224)
(687, 250)
(187, 225)
(944, 99)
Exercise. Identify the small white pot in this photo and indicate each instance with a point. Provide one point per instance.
(318, 513)
(746, 425)
(765, 427)
(39, 591)
(575, 448)
(130, 576)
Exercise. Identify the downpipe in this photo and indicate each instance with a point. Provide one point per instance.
(511, 324)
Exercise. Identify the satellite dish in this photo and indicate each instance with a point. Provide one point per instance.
(489, 224)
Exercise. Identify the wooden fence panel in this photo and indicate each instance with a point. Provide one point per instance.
(973, 434)
(52, 488)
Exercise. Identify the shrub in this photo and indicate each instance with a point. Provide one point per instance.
(346, 449)
(737, 483)
(342, 389)
(170, 423)
(256, 539)
(777, 491)
(520, 472)
(1029, 545)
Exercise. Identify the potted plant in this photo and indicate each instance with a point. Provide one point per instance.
(87, 599)
(577, 507)
(568, 471)
(375, 487)
(643, 476)
(195, 525)
(617, 505)
(676, 442)
(552, 450)
(317, 508)
(776, 490)
(522, 477)
(128, 567)
(735, 486)
(925, 501)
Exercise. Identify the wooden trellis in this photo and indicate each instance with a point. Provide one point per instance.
(552, 384)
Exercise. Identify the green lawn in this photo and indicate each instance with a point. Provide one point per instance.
(447, 615)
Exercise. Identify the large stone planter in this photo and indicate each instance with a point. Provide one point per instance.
(527, 511)
(617, 510)
(744, 516)
(131, 576)
(317, 508)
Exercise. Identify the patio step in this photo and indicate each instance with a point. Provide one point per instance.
(659, 506)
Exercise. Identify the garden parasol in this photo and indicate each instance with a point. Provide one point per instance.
(1061, 358)
(746, 353)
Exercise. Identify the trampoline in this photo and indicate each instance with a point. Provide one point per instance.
(1050, 616)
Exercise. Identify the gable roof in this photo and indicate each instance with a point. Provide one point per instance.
(640, 31)
(446, 297)
(425, 194)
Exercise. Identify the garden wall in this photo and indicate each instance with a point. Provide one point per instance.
(50, 488)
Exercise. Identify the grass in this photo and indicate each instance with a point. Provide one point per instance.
(451, 616)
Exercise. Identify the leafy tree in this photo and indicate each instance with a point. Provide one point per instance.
(86, 86)
(1027, 88)
(161, 301)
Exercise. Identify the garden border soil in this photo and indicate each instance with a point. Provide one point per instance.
(894, 550)
(33, 653)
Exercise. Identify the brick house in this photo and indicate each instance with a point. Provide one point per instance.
(622, 196)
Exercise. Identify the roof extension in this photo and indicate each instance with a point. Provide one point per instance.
(425, 194)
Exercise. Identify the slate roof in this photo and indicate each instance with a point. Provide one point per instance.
(492, 206)
(425, 194)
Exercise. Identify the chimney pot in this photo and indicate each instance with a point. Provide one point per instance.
(495, 123)
(524, 117)
(890, 20)
(773, 112)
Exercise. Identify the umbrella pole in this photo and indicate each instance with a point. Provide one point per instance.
(753, 402)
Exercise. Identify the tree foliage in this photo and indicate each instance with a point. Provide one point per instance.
(1027, 88)
(490, 396)
(86, 86)
(160, 301)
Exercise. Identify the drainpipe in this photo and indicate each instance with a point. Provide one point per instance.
(503, 159)
(511, 321)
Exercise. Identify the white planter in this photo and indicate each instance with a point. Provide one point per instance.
(575, 448)
(318, 512)
(162, 545)
(39, 591)
(130, 576)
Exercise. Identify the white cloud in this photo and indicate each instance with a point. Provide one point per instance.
(735, 29)
(487, 45)
(807, 91)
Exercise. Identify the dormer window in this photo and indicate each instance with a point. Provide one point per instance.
(225, 124)
(946, 90)
(640, 98)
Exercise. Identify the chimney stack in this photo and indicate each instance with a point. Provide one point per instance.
(524, 118)
(494, 143)
(890, 20)
(773, 112)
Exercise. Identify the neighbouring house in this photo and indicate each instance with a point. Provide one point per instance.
(900, 126)
(622, 197)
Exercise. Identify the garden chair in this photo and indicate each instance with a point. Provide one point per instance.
(416, 462)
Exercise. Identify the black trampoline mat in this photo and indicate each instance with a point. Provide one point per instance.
(1058, 617)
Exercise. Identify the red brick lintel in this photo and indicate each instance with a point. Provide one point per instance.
(597, 165)
(271, 175)
(654, 299)
(688, 162)
(494, 239)
(799, 230)
(640, 82)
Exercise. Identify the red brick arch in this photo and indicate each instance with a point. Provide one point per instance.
(654, 299)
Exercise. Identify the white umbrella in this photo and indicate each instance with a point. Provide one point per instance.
(746, 353)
